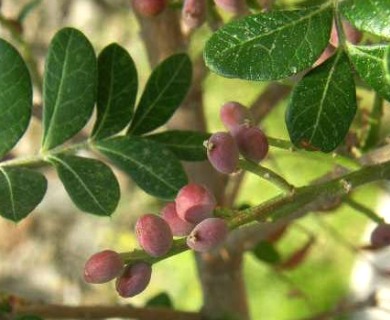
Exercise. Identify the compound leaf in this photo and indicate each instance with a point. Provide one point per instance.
(90, 183)
(323, 105)
(186, 145)
(117, 90)
(69, 86)
(368, 15)
(15, 97)
(373, 65)
(269, 46)
(154, 168)
(21, 190)
(164, 92)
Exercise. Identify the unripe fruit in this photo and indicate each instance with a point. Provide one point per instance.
(232, 6)
(193, 13)
(179, 227)
(380, 236)
(222, 152)
(134, 279)
(154, 235)
(208, 234)
(252, 143)
(194, 203)
(103, 267)
(233, 114)
(149, 8)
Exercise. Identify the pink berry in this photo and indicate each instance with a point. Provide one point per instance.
(222, 152)
(103, 267)
(194, 203)
(208, 234)
(193, 13)
(252, 143)
(134, 279)
(380, 236)
(233, 114)
(149, 8)
(232, 6)
(178, 226)
(154, 235)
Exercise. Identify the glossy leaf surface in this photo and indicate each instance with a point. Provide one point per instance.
(21, 190)
(368, 15)
(322, 106)
(186, 145)
(269, 46)
(164, 92)
(69, 87)
(15, 97)
(154, 168)
(117, 90)
(373, 65)
(90, 183)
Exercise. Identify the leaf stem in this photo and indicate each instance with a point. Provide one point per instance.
(372, 136)
(339, 25)
(364, 210)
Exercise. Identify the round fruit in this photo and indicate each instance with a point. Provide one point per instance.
(252, 143)
(222, 152)
(233, 114)
(178, 226)
(149, 8)
(134, 279)
(103, 267)
(380, 236)
(154, 234)
(232, 6)
(193, 13)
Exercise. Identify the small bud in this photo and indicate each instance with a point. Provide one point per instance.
(154, 235)
(178, 226)
(232, 6)
(233, 114)
(193, 14)
(222, 152)
(208, 234)
(134, 279)
(380, 236)
(149, 8)
(252, 143)
(103, 267)
(194, 203)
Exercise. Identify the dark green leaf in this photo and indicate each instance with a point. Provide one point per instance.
(163, 94)
(186, 145)
(373, 65)
(15, 97)
(117, 90)
(269, 46)
(21, 190)
(266, 252)
(161, 300)
(154, 168)
(368, 15)
(69, 86)
(322, 106)
(90, 183)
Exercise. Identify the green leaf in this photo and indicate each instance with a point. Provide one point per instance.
(322, 105)
(160, 300)
(21, 190)
(186, 145)
(373, 65)
(69, 86)
(269, 46)
(368, 15)
(154, 168)
(90, 183)
(117, 90)
(15, 97)
(266, 252)
(163, 94)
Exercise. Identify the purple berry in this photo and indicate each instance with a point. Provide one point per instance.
(103, 267)
(149, 8)
(252, 143)
(154, 235)
(232, 6)
(194, 203)
(233, 114)
(208, 234)
(133, 280)
(222, 152)
(193, 13)
(380, 236)
(178, 226)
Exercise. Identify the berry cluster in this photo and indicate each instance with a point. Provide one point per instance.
(191, 215)
(224, 148)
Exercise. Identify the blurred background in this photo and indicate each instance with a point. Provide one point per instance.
(42, 257)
